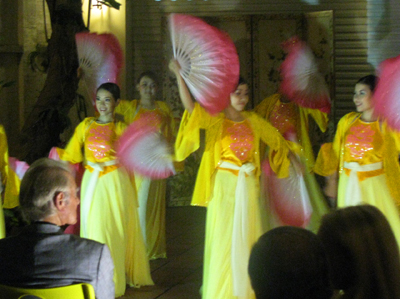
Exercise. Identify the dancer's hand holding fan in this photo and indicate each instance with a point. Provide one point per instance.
(142, 149)
(208, 60)
(301, 82)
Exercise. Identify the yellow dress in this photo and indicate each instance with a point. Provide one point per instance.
(227, 183)
(151, 193)
(366, 156)
(10, 182)
(290, 118)
(265, 110)
(108, 201)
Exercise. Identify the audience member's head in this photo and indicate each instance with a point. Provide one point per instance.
(362, 253)
(48, 193)
(289, 263)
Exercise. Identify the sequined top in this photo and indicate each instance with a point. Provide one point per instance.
(161, 117)
(100, 139)
(93, 142)
(284, 117)
(364, 143)
(237, 142)
(153, 117)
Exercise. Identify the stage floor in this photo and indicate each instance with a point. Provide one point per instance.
(179, 276)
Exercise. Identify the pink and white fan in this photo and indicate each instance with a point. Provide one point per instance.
(19, 167)
(287, 197)
(386, 96)
(142, 149)
(208, 59)
(100, 59)
(301, 82)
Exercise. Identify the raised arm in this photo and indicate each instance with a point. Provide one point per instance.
(184, 93)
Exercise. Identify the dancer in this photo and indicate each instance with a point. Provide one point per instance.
(151, 193)
(108, 200)
(9, 182)
(365, 153)
(292, 120)
(227, 184)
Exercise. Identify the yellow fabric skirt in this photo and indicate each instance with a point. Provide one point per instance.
(374, 191)
(317, 200)
(155, 217)
(217, 274)
(113, 220)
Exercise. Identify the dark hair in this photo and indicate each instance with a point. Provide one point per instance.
(362, 252)
(241, 81)
(370, 80)
(111, 88)
(289, 263)
(149, 74)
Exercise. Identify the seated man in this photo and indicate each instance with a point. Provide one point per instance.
(289, 263)
(42, 255)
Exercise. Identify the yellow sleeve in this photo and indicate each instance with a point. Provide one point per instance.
(278, 147)
(73, 152)
(329, 156)
(321, 118)
(395, 135)
(125, 111)
(327, 161)
(188, 138)
(391, 161)
(10, 180)
(264, 108)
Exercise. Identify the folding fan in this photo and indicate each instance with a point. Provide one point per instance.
(19, 167)
(100, 59)
(208, 59)
(386, 95)
(301, 81)
(142, 149)
(288, 197)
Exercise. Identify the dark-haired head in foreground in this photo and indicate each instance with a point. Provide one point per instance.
(289, 263)
(362, 253)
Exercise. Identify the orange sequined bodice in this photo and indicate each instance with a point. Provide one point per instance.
(99, 144)
(237, 142)
(153, 117)
(364, 143)
(284, 118)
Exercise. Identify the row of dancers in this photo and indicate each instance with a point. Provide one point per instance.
(127, 211)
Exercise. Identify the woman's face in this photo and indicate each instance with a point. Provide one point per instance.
(105, 103)
(147, 88)
(362, 97)
(240, 97)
